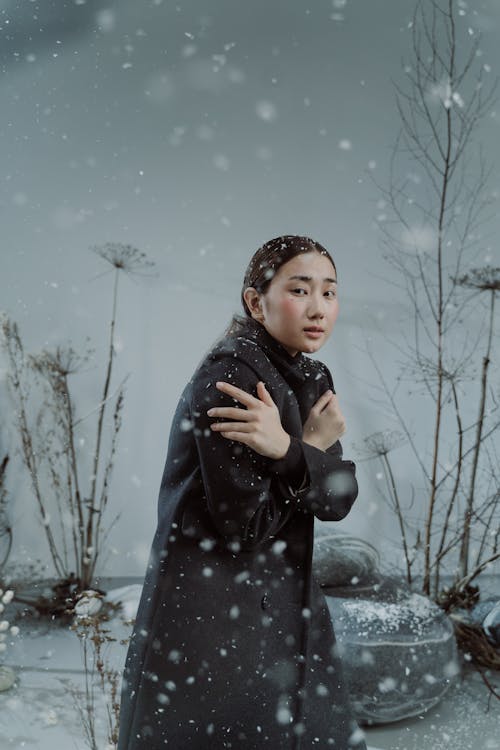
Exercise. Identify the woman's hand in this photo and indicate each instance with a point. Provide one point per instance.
(325, 423)
(258, 426)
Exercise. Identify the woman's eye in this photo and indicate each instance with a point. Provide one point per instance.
(331, 292)
(299, 290)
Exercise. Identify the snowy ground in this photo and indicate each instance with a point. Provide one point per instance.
(39, 712)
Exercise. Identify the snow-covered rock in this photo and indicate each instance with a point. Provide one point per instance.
(7, 678)
(341, 559)
(89, 603)
(487, 614)
(128, 597)
(398, 650)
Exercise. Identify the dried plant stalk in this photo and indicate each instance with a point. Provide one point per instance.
(76, 531)
(95, 640)
(433, 212)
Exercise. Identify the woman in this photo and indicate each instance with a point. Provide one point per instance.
(233, 646)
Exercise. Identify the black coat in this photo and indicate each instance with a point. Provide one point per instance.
(233, 645)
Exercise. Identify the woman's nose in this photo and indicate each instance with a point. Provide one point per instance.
(317, 306)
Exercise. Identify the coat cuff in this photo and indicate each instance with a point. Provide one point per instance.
(292, 468)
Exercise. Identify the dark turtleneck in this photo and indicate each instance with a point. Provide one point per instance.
(294, 368)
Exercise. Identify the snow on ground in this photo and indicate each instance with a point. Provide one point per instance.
(38, 712)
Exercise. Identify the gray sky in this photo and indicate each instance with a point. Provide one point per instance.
(196, 133)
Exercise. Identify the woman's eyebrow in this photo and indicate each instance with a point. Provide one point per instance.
(309, 278)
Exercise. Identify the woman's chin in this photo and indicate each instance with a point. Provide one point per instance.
(312, 347)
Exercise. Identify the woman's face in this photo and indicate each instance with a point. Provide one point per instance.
(301, 296)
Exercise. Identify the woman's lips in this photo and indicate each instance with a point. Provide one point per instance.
(313, 334)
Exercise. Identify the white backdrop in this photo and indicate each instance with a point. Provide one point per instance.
(196, 134)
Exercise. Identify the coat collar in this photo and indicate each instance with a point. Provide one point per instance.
(296, 370)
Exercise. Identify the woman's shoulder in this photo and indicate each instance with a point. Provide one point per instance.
(240, 359)
(231, 360)
(233, 352)
(316, 370)
(317, 366)
(246, 355)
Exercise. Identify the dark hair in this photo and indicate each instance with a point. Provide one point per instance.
(266, 262)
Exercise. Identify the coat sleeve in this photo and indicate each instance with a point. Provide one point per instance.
(249, 496)
(330, 486)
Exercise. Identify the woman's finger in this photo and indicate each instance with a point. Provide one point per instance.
(224, 426)
(332, 405)
(323, 400)
(230, 412)
(329, 400)
(237, 393)
(240, 437)
(264, 394)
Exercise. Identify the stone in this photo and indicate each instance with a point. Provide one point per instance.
(341, 559)
(398, 650)
(7, 678)
(487, 614)
(89, 604)
(128, 597)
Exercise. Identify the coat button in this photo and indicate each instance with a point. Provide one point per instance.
(264, 602)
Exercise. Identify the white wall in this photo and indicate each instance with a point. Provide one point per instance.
(121, 123)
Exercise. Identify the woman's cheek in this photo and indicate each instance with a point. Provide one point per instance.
(291, 307)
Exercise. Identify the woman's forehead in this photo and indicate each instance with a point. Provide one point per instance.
(312, 264)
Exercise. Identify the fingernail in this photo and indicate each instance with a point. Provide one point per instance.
(210, 412)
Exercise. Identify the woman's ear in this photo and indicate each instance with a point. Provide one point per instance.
(252, 299)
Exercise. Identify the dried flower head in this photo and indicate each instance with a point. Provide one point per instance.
(380, 443)
(482, 279)
(124, 258)
(60, 363)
